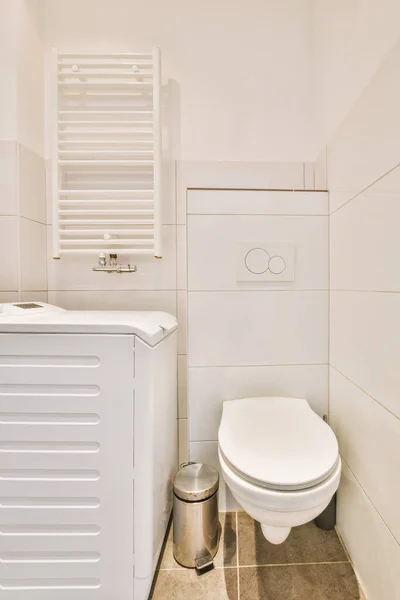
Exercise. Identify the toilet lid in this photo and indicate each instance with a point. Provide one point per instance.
(278, 443)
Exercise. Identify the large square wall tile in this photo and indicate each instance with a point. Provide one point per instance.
(108, 300)
(368, 438)
(8, 177)
(32, 185)
(33, 255)
(365, 342)
(257, 328)
(213, 241)
(256, 202)
(373, 549)
(210, 386)
(365, 241)
(245, 175)
(9, 253)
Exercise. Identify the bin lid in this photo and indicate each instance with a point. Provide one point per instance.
(196, 482)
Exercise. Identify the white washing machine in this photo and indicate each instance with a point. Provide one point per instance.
(88, 450)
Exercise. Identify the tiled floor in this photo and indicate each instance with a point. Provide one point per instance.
(311, 565)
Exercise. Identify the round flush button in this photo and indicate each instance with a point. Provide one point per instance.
(277, 265)
(257, 261)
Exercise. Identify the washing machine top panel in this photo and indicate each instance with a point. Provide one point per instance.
(38, 317)
(277, 443)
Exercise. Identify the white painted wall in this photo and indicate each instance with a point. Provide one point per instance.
(363, 168)
(351, 39)
(22, 169)
(30, 84)
(240, 72)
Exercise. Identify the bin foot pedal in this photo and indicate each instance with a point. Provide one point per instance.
(204, 563)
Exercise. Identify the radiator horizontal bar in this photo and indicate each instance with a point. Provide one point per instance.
(96, 251)
(112, 242)
(105, 211)
(104, 73)
(76, 192)
(73, 222)
(111, 200)
(105, 112)
(106, 152)
(105, 162)
(140, 232)
(103, 84)
(111, 55)
(134, 142)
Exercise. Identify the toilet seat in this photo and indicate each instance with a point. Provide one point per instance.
(277, 443)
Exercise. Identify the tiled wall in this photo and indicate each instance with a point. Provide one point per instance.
(291, 354)
(22, 224)
(364, 183)
(22, 173)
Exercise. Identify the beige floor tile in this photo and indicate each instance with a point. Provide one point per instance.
(185, 584)
(304, 582)
(226, 555)
(305, 544)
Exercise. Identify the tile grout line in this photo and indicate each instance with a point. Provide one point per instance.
(365, 392)
(343, 545)
(364, 189)
(305, 564)
(329, 309)
(271, 565)
(370, 501)
(237, 554)
(254, 214)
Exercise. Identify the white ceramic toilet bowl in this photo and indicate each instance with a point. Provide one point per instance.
(280, 510)
(280, 461)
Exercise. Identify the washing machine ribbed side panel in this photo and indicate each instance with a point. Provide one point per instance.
(67, 405)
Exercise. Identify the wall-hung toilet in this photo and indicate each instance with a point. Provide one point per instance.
(280, 460)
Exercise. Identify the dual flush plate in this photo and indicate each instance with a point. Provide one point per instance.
(265, 261)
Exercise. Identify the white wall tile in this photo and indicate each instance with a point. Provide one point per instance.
(257, 328)
(181, 257)
(367, 144)
(49, 203)
(365, 241)
(320, 171)
(8, 177)
(74, 272)
(182, 322)
(207, 452)
(34, 297)
(336, 200)
(183, 444)
(210, 386)
(373, 550)
(32, 185)
(9, 296)
(365, 342)
(169, 192)
(256, 202)
(236, 175)
(368, 438)
(33, 255)
(9, 254)
(109, 300)
(309, 176)
(182, 386)
(30, 81)
(212, 250)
